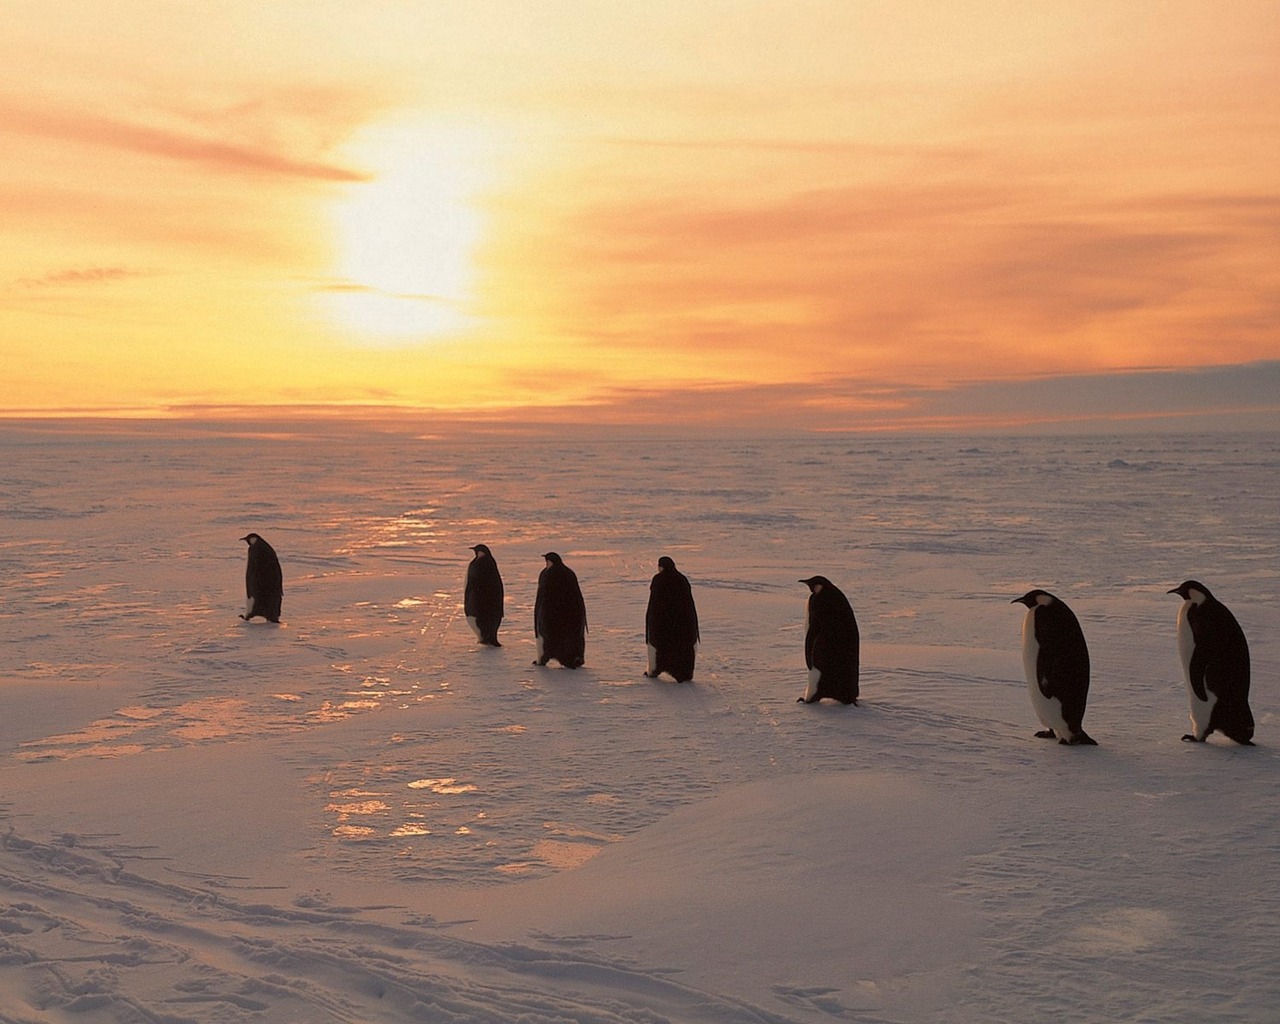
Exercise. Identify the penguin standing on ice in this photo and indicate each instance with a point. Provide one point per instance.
(1056, 661)
(482, 602)
(559, 615)
(671, 623)
(831, 644)
(263, 581)
(1215, 665)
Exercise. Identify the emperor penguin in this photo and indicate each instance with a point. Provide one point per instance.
(671, 623)
(559, 615)
(1056, 660)
(263, 581)
(1215, 665)
(482, 602)
(831, 644)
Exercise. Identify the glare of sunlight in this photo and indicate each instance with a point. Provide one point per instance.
(406, 238)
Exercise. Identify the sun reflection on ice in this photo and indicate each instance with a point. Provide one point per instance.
(442, 786)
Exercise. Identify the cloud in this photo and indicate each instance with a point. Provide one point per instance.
(938, 276)
(82, 275)
(188, 146)
(1216, 397)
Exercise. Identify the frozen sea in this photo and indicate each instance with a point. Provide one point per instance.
(360, 816)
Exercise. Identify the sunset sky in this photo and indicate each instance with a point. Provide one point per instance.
(824, 214)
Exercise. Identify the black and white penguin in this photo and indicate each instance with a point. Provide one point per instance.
(559, 615)
(482, 603)
(263, 581)
(671, 623)
(1056, 660)
(1215, 665)
(831, 644)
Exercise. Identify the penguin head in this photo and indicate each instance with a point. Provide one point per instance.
(816, 583)
(666, 563)
(553, 558)
(251, 539)
(1192, 590)
(1034, 597)
(481, 549)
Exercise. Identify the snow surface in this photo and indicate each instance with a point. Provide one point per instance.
(361, 816)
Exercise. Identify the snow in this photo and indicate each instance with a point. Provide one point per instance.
(360, 815)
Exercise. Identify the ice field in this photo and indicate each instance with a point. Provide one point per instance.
(359, 815)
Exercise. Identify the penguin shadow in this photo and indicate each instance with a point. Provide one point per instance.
(553, 669)
(664, 680)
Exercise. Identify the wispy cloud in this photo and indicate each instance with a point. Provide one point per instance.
(97, 130)
(73, 276)
(937, 274)
(1215, 397)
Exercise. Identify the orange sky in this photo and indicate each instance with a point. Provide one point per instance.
(829, 214)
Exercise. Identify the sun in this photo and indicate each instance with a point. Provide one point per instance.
(406, 239)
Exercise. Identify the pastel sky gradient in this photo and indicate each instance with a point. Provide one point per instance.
(820, 214)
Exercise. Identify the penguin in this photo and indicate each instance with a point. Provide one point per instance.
(482, 602)
(559, 615)
(263, 581)
(1056, 660)
(831, 644)
(1215, 665)
(671, 624)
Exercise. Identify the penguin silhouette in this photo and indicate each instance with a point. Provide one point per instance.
(831, 644)
(1215, 666)
(559, 615)
(263, 581)
(671, 623)
(1056, 660)
(482, 602)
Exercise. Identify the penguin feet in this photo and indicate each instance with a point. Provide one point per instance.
(1047, 734)
(1080, 739)
(491, 643)
(1191, 738)
(540, 662)
(651, 675)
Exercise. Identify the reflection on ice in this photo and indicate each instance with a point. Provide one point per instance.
(563, 855)
(410, 829)
(357, 807)
(442, 786)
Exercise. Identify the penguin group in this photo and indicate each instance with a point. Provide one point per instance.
(1055, 657)
(1211, 646)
